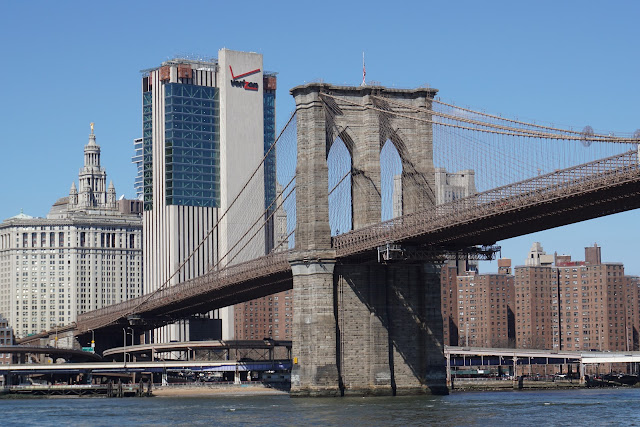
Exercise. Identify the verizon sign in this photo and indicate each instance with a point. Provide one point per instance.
(239, 81)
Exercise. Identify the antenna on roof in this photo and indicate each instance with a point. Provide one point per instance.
(364, 71)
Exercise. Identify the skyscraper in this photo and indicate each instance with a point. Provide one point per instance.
(206, 126)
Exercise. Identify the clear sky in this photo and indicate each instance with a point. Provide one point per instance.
(68, 63)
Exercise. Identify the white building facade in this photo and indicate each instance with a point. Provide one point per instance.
(452, 186)
(85, 255)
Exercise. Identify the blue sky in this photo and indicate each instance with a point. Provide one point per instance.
(68, 63)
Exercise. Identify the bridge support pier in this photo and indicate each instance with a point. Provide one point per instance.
(362, 328)
(314, 371)
(390, 329)
(368, 329)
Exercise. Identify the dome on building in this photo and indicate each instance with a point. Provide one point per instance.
(21, 215)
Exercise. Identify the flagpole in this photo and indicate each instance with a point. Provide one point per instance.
(364, 71)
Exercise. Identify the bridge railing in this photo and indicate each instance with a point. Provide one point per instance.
(510, 197)
(260, 267)
(497, 200)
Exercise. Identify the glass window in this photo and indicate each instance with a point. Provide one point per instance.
(192, 139)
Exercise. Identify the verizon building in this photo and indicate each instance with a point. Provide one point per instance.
(205, 128)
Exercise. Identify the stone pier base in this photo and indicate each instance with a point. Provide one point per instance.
(367, 329)
(389, 329)
(314, 371)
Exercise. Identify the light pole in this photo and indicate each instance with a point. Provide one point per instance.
(124, 346)
(56, 339)
(270, 348)
(125, 333)
(93, 340)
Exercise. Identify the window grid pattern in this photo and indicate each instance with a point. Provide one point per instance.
(269, 112)
(192, 140)
(147, 150)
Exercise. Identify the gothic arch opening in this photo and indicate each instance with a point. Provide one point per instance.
(340, 199)
(390, 182)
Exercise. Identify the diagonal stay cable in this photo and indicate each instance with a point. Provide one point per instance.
(252, 226)
(246, 184)
(259, 228)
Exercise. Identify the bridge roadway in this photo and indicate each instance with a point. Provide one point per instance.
(50, 351)
(591, 190)
(516, 357)
(189, 346)
(471, 355)
(456, 356)
(97, 368)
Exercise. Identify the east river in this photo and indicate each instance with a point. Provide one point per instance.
(587, 407)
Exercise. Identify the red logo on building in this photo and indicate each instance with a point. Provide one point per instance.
(235, 82)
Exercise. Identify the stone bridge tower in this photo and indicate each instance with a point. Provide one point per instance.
(361, 327)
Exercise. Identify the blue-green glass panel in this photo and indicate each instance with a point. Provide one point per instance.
(147, 150)
(192, 140)
(269, 114)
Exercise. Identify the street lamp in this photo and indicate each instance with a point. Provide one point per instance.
(124, 340)
(93, 340)
(268, 341)
(124, 346)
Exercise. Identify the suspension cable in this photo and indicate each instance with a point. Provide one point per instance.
(246, 184)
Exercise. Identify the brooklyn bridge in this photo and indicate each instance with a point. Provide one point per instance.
(367, 230)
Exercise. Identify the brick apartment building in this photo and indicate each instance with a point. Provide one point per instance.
(477, 308)
(551, 302)
(536, 307)
(266, 317)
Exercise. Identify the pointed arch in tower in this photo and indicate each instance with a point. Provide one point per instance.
(340, 198)
(390, 181)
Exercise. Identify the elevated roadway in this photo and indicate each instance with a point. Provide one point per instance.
(50, 351)
(473, 355)
(157, 366)
(562, 197)
(190, 346)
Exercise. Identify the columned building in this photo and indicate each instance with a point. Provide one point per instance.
(86, 254)
(206, 126)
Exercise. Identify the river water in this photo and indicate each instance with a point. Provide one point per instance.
(588, 407)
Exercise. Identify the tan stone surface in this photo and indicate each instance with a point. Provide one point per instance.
(231, 390)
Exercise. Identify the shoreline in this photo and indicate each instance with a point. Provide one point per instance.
(467, 386)
(184, 390)
(237, 390)
(225, 390)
